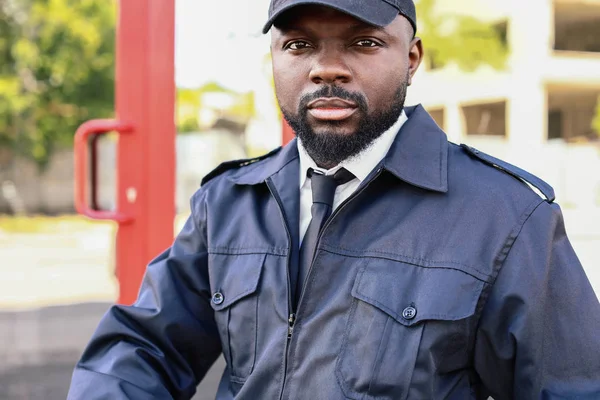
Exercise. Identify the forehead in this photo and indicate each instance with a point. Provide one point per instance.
(324, 19)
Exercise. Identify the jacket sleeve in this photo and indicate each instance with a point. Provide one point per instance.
(539, 333)
(163, 345)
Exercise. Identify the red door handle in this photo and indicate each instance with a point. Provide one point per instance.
(86, 131)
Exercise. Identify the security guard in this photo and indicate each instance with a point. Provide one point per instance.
(368, 259)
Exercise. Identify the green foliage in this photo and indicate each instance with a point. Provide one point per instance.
(189, 104)
(461, 39)
(56, 71)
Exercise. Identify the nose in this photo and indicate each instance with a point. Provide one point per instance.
(330, 68)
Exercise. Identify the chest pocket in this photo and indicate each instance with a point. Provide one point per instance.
(393, 303)
(234, 282)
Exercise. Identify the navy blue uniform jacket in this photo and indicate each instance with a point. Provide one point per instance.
(444, 276)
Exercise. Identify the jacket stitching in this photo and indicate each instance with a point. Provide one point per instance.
(236, 379)
(236, 298)
(401, 258)
(256, 325)
(441, 167)
(512, 238)
(253, 288)
(402, 321)
(348, 392)
(227, 318)
(239, 251)
(424, 262)
(242, 379)
(498, 264)
(251, 182)
(379, 355)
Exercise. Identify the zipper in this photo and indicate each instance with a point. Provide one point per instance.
(291, 321)
(287, 230)
(292, 315)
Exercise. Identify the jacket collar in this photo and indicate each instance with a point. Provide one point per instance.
(260, 171)
(419, 156)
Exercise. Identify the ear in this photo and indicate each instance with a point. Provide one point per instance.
(415, 56)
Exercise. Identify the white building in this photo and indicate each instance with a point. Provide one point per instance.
(538, 111)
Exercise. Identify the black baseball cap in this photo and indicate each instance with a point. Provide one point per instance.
(375, 12)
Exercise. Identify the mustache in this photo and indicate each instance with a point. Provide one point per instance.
(333, 91)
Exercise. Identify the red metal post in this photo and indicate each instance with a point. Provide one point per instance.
(145, 97)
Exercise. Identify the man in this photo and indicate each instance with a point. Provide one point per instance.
(368, 259)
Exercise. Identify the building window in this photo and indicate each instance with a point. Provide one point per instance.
(571, 112)
(438, 116)
(577, 27)
(487, 119)
(555, 124)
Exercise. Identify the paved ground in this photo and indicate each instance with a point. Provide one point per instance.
(55, 286)
(72, 264)
(50, 382)
(39, 348)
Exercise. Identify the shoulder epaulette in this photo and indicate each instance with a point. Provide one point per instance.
(510, 169)
(227, 165)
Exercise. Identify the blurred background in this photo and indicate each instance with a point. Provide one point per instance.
(519, 80)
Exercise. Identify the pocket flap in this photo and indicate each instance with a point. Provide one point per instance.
(233, 277)
(411, 294)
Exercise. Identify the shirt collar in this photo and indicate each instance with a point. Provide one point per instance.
(361, 164)
(419, 156)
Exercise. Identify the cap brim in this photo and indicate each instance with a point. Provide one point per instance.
(378, 13)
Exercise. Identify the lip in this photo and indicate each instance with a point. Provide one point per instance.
(331, 109)
(331, 114)
(331, 102)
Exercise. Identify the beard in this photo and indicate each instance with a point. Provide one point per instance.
(329, 148)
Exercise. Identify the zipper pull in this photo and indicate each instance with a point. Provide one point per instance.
(291, 321)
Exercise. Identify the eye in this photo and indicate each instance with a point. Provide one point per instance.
(367, 43)
(297, 45)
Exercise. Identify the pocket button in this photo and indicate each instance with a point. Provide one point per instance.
(218, 298)
(409, 313)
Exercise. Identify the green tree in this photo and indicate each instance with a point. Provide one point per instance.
(462, 39)
(189, 104)
(466, 41)
(56, 71)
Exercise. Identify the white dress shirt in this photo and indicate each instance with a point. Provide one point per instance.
(360, 165)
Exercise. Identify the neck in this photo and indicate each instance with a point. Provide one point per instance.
(326, 165)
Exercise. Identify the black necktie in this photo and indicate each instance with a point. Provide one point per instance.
(323, 191)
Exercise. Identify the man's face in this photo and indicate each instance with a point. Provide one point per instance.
(340, 82)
